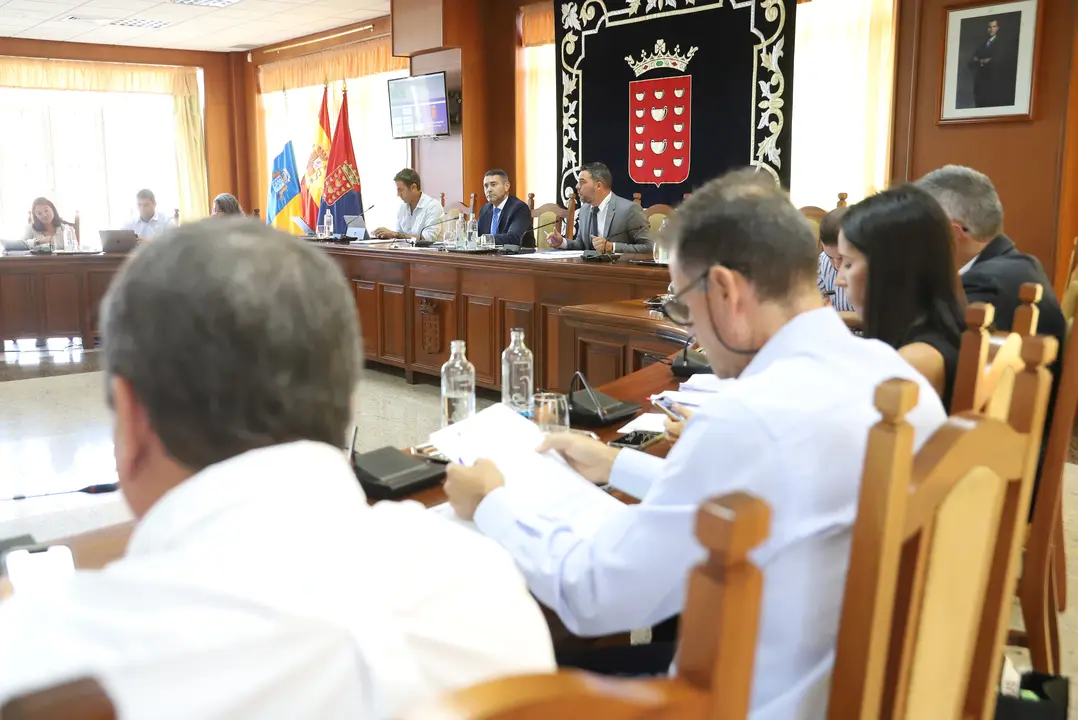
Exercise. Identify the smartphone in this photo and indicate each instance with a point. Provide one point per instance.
(667, 406)
(38, 566)
(637, 439)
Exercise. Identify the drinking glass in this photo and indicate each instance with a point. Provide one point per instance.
(550, 411)
(486, 242)
(320, 231)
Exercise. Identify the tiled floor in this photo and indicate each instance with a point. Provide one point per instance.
(55, 435)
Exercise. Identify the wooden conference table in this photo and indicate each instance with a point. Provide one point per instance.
(54, 295)
(411, 303)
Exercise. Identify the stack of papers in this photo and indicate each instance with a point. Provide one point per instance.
(704, 382)
(543, 484)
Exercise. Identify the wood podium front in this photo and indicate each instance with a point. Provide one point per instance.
(607, 341)
(413, 303)
(45, 296)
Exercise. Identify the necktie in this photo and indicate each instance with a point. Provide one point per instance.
(494, 222)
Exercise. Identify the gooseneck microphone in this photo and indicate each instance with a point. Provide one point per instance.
(98, 489)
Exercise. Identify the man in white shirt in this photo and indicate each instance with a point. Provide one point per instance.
(791, 430)
(149, 222)
(258, 582)
(420, 215)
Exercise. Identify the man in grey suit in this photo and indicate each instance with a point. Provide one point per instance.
(606, 222)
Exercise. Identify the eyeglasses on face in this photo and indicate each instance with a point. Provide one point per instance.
(676, 309)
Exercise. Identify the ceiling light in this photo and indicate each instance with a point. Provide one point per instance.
(137, 23)
(207, 3)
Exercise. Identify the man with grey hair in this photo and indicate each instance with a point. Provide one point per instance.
(792, 431)
(258, 582)
(991, 267)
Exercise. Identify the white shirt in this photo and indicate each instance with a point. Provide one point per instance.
(965, 268)
(265, 586)
(147, 229)
(600, 217)
(792, 430)
(423, 220)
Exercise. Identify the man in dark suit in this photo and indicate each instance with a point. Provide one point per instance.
(991, 267)
(993, 83)
(505, 216)
(606, 222)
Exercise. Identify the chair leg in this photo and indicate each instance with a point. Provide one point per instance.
(1052, 616)
(1059, 561)
(1036, 586)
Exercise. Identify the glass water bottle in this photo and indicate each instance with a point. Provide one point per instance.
(458, 386)
(518, 373)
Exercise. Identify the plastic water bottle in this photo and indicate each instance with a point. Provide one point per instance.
(458, 386)
(329, 223)
(462, 236)
(518, 373)
(473, 232)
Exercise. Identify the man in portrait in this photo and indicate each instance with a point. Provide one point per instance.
(993, 69)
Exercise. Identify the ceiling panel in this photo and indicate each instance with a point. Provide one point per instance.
(247, 23)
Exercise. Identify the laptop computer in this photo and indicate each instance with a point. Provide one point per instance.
(15, 246)
(302, 225)
(356, 227)
(118, 241)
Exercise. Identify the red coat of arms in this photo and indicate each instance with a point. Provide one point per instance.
(660, 119)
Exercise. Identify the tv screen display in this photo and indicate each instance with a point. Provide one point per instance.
(417, 106)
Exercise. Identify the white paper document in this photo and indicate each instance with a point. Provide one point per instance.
(543, 484)
(648, 422)
(551, 254)
(688, 398)
(704, 382)
(371, 241)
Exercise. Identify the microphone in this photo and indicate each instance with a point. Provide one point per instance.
(98, 489)
(358, 217)
(689, 362)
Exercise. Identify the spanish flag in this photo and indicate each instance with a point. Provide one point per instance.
(314, 176)
(284, 196)
(341, 196)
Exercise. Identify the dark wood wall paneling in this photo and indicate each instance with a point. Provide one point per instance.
(1025, 159)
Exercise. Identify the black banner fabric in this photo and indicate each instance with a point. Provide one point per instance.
(672, 93)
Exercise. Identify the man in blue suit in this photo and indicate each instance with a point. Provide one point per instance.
(505, 216)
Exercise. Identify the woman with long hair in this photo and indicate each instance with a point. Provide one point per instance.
(227, 204)
(899, 273)
(47, 228)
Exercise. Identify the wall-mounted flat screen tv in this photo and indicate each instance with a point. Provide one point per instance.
(417, 106)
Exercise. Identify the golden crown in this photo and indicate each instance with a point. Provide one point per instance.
(660, 59)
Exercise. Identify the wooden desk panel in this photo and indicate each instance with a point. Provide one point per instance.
(422, 300)
(54, 295)
(610, 340)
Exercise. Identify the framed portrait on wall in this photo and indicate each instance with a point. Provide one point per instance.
(989, 61)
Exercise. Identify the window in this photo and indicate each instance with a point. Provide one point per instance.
(539, 124)
(293, 115)
(88, 152)
(844, 69)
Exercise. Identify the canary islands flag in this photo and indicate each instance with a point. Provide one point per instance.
(284, 199)
(314, 176)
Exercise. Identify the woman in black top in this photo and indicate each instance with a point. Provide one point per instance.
(899, 271)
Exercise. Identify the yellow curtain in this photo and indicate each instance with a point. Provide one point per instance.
(38, 74)
(368, 57)
(537, 24)
(191, 159)
(841, 136)
(179, 82)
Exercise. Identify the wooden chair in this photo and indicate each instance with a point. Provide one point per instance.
(1042, 586)
(934, 554)
(78, 700)
(78, 229)
(816, 214)
(716, 648)
(454, 210)
(1069, 295)
(656, 215)
(987, 365)
(545, 215)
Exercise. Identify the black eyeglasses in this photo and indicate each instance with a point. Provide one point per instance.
(676, 309)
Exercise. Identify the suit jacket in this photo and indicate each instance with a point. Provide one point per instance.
(627, 227)
(514, 223)
(995, 277)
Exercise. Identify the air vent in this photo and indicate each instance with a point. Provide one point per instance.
(207, 3)
(137, 23)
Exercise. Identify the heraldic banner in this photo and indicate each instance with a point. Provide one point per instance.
(672, 93)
